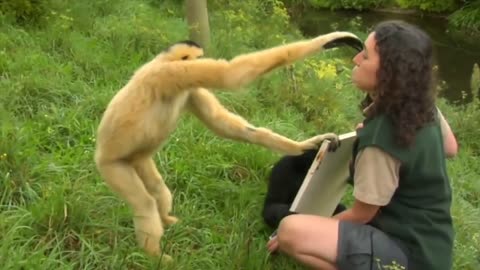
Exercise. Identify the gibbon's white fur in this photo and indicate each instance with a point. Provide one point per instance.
(145, 111)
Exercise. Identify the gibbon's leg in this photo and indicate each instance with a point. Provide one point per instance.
(229, 125)
(243, 69)
(123, 179)
(155, 185)
(273, 213)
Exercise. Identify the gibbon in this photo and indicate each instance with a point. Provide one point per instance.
(284, 181)
(141, 116)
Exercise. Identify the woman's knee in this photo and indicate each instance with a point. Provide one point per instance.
(289, 233)
(307, 233)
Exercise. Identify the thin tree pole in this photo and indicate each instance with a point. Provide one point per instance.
(197, 19)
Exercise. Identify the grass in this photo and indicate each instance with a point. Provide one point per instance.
(56, 79)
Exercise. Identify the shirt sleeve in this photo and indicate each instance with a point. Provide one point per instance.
(376, 176)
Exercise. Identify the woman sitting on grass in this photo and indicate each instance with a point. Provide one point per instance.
(401, 212)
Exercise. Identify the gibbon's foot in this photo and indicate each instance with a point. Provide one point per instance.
(169, 220)
(151, 246)
(148, 232)
(164, 258)
(167, 258)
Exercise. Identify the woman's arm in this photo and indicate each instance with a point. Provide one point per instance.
(449, 141)
(360, 212)
(376, 179)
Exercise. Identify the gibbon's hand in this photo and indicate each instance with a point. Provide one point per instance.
(341, 39)
(334, 145)
(316, 141)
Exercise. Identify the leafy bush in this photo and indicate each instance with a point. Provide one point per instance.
(469, 114)
(429, 5)
(25, 11)
(232, 24)
(347, 4)
(467, 17)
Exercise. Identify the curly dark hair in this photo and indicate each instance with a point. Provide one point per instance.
(404, 90)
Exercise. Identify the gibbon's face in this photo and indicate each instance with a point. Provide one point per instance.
(181, 52)
(367, 62)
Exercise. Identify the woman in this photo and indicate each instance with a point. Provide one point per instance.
(401, 212)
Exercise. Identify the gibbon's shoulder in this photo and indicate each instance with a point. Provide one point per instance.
(182, 50)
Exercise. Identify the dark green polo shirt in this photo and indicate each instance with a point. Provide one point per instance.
(418, 215)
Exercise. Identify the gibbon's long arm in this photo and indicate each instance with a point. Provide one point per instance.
(208, 109)
(243, 69)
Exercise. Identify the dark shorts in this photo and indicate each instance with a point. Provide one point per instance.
(363, 247)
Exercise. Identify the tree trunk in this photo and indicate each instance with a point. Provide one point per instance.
(197, 19)
(475, 81)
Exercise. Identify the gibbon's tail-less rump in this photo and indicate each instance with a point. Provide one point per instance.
(142, 115)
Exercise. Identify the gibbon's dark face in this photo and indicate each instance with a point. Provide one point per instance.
(193, 46)
(190, 43)
(183, 51)
(354, 43)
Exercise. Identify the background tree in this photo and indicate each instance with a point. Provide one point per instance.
(197, 19)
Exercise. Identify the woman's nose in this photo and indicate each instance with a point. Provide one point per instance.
(357, 59)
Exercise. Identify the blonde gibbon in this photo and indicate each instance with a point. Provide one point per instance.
(141, 116)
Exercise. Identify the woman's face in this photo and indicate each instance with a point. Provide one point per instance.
(364, 74)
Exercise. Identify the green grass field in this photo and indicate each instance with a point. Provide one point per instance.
(58, 73)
